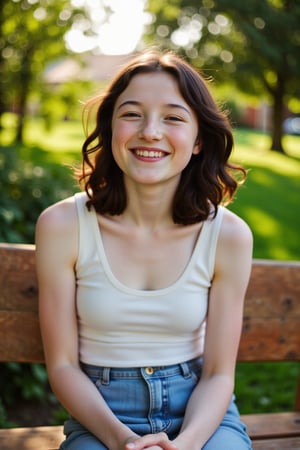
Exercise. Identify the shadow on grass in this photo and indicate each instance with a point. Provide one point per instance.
(269, 202)
(260, 141)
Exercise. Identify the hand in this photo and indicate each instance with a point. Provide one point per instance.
(159, 441)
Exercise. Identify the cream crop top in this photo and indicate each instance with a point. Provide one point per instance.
(124, 327)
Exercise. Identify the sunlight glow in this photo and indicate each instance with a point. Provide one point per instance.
(119, 35)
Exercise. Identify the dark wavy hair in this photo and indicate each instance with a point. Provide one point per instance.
(207, 181)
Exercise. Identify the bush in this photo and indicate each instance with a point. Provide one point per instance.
(27, 189)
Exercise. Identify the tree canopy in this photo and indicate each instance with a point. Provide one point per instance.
(32, 35)
(255, 45)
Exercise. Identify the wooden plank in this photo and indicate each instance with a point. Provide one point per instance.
(39, 438)
(272, 425)
(20, 338)
(18, 278)
(270, 339)
(277, 444)
(273, 288)
(272, 312)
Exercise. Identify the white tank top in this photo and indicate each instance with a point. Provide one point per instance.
(124, 327)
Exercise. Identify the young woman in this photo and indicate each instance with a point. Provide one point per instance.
(142, 276)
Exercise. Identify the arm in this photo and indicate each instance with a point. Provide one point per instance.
(224, 322)
(56, 254)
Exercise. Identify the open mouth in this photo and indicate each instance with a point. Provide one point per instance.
(149, 154)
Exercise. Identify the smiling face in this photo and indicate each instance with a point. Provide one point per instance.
(154, 131)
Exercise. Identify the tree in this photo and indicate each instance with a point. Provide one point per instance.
(256, 44)
(32, 34)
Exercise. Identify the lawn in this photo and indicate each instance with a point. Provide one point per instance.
(268, 201)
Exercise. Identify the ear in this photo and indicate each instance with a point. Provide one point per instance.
(197, 147)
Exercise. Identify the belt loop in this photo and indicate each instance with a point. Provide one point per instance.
(185, 369)
(105, 375)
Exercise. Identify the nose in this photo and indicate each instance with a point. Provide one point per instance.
(150, 130)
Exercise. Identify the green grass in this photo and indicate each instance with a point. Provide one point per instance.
(266, 387)
(268, 201)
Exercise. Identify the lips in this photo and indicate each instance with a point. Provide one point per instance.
(149, 153)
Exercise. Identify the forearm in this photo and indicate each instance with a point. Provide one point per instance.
(84, 402)
(205, 411)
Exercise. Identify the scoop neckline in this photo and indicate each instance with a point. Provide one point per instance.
(147, 292)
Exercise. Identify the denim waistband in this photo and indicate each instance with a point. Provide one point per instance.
(108, 373)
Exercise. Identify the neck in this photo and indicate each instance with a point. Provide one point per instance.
(150, 206)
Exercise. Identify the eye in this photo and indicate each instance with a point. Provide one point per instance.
(173, 118)
(131, 114)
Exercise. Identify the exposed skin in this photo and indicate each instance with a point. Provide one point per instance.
(154, 136)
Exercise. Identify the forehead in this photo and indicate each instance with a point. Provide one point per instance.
(152, 87)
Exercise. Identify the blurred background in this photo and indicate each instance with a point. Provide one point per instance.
(55, 54)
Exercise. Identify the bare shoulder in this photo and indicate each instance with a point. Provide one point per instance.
(234, 249)
(57, 230)
(58, 216)
(234, 230)
(235, 244)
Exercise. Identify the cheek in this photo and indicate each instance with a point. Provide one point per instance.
(117, 140)
(120, 137)
(185, 142)
(122, 132)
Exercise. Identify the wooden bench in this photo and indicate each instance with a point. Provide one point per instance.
(270, 333)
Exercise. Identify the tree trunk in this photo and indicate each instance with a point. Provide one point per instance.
(25, 78)
(277, 119)
(21, 115)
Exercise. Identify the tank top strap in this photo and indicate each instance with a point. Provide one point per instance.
(207, 244)
(86, 221)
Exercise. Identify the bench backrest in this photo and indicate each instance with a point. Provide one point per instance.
(271, 328)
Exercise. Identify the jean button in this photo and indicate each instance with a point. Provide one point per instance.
(149, 370)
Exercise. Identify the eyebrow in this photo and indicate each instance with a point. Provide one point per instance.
(172, 105)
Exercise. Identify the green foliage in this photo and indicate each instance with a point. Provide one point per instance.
(225, 36)
(32, 35)
(59, 416)
(3, 417)
(27, 381)
(61, 103)
(28, 185)
(250, 45)
(26, 393)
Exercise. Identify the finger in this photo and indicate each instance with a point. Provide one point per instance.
(159, 440)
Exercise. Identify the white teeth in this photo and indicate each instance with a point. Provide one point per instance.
(149, 154)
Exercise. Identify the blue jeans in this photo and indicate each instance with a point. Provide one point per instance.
(150, 400)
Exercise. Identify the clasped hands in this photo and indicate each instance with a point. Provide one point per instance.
(158, 441)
